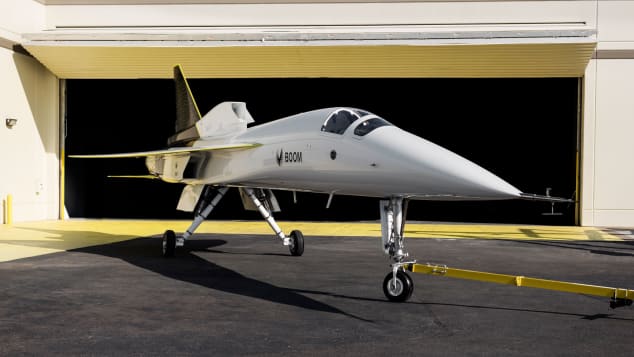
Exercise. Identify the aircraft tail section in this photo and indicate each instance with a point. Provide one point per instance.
(223, 121)
(187, 112)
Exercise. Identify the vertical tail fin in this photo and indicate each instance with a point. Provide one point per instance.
(187, 112)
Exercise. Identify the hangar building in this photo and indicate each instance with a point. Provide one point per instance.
(553, 77)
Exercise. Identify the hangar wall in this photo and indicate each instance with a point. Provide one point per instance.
(607, 193)
(29, 152)
(188, 15)
(607, 180)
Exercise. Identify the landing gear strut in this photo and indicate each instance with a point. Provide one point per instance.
(171, 241)
(295, 242)
(397, 285)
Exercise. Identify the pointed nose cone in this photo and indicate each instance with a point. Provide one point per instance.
(476, 182)
(435, 172)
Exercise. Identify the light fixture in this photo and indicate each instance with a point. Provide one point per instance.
(11, 122)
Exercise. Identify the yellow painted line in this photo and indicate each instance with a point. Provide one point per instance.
(10, 252)
(512, 232)
(9, 209)
(28, 239)
(62, 183)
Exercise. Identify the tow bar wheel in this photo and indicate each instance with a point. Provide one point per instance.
(398, 289)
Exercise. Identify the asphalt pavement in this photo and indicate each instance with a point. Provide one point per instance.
(226, 295)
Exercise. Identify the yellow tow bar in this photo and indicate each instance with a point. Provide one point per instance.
(618, 297)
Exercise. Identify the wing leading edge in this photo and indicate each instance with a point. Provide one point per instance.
(171, 151)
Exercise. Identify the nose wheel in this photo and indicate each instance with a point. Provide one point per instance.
(398, 287)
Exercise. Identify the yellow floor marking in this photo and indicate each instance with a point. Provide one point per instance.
(29, 239)
(12, 252)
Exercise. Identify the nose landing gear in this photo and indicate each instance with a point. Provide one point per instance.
(397, 285)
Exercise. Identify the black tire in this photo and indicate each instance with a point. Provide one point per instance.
(403, 289)
(169, 244)
(297, 244)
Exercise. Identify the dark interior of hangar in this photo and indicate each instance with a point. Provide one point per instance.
(523, 130)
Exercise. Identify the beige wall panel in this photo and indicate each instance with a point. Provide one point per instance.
(614, 147)
(614, 218)
(22, 16)
(587, 148)
(432, 13)
(616, 21)
(29, 151)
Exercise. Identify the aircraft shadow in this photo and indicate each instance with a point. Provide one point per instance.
(471, 306)
(581, 316)
(216, 251)
(189, 267)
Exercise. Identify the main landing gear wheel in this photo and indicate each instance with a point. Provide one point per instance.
(297, 244)
(169, 243)
(399, 289)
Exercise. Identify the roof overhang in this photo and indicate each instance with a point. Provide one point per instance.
(335, 52)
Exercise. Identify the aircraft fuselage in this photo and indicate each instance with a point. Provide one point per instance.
(300, 153)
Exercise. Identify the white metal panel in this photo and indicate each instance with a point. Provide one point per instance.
(155, 2)
(614, 147)
(616, 21)
(319, 14)
(614, 218)
(374, 39)
(19, 16)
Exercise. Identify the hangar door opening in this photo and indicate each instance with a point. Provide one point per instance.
(523, 130)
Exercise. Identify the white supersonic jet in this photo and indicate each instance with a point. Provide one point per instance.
(335, 151)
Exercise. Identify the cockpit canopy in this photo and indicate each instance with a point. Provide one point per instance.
(341, 119)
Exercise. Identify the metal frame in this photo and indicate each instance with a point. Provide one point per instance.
(618, 297)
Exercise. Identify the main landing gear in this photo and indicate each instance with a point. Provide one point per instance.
(397, 285)
(295, 241)
(169, 243)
